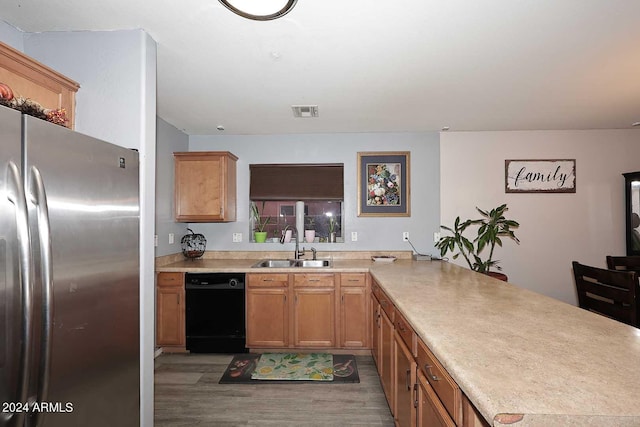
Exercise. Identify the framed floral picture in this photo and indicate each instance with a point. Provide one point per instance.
(383, 184)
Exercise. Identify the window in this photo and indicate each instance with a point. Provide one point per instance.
(323, 216)
(310, 195)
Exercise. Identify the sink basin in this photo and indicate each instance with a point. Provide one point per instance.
(275, 263)
(312, 263)
(289, 263)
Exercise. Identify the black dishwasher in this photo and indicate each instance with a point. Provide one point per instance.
(215, 313)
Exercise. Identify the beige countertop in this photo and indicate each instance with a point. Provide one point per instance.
(510, 350)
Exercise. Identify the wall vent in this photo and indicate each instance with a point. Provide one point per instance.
(305, 111)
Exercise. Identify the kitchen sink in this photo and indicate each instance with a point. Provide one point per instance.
(292, 263)
(312, 263)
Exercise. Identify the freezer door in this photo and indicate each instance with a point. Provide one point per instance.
(15, 282)
(90, 191)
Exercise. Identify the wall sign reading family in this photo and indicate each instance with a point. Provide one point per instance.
(540, 176)
(383, 184)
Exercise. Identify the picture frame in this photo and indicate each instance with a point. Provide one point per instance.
(540, 176)
(383, 184)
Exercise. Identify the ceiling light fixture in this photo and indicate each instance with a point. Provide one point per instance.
(260, 10)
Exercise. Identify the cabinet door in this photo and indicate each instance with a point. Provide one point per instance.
(170, 326)
(314, 317)
(386, 357)
(267, 317)
(430, 412)
(205, 186)
(405, 368)
(353, 317)
(375, 332)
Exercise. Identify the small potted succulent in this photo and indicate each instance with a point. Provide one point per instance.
(259, 233)
(492, 227)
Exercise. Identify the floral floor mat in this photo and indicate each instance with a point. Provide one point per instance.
(294, 367)
(274, 367)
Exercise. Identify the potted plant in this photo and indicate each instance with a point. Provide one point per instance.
(492, 227)
(309, 229)
(259, 234)
(333, 226)
(287, 233)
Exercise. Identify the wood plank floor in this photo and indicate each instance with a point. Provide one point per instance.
(187, 393)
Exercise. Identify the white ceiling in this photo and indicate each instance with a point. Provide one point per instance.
(373, 65)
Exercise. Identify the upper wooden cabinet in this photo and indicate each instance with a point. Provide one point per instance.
(30, 79)
(205, 186)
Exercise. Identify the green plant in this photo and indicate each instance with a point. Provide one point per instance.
(493, 226)
(333, 224)
(310, 223)
(259, 224)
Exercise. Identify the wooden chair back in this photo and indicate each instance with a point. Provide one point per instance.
(625, 263)
(608, 292)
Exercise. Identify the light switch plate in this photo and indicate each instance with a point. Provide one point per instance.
(237, 237)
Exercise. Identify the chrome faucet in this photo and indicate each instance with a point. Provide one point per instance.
(297, 254)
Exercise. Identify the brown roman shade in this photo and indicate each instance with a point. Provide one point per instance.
(297, 182)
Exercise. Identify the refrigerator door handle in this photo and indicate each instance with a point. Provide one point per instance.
(16, 195)
(39, 199)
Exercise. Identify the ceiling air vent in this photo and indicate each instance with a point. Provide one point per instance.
(305, 111)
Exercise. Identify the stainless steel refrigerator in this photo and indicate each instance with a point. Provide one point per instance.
(69, 277)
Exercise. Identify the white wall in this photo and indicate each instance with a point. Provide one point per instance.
(170, 140)
(116, 102)
(381, 233)
(555, 229)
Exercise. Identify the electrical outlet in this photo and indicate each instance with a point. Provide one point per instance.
(436, 237)
(172, 238)
(405, 236)
(237, 237)
(354, 236)
(155, 240)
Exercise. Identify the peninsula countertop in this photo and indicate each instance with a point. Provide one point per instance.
(520, 357)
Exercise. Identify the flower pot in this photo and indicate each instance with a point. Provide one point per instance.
(309, 236)
(260, 236)
(287, 235)
(332, 237)
(496, 275)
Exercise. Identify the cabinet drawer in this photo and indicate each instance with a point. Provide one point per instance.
(384, 301)
(268, 280)
(319, 280)
(442, 383)
(375, 289)
(353, 279)
(170, 279)
(405, 331)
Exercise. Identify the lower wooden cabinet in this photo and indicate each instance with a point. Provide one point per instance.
(387, 347)
(307, 310)
(375, 329)
(170, 311)
(429, 412)
(314, 317)
(354, 311)
(267, 310)
(405, 371)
